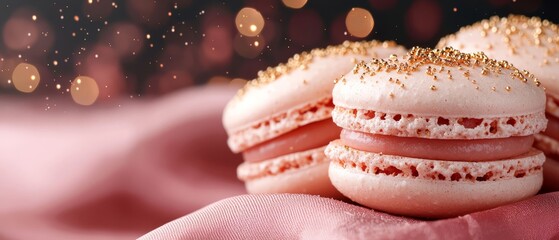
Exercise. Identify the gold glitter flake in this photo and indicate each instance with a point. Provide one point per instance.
(434, 60)
(524, 30)
(302, 60)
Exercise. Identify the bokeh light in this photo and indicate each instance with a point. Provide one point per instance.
(26, 77)
(133, 48)
(20, 33)
(359, 22)
(296, 4)
(249, 22)
(84, 90)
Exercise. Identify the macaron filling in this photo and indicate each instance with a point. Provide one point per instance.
(476, 150)
(306, 137)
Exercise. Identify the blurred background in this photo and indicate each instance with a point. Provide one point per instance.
(92, 52)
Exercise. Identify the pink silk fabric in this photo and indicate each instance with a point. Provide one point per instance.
(126, 170)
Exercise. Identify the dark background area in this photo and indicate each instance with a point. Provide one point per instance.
(139, 48)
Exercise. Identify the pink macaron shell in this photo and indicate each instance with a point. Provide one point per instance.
(278, 100)
(437, 127)
(528, 43)
(302, 172)
(430, 198)
(456, 91)
(276, 125)
(427, 169)
(425, 188)
(305, 84)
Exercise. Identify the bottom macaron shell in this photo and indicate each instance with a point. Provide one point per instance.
(312, 180)
(303, 172)
(432, 188)
(430, 198)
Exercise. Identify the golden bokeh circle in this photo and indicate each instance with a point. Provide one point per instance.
(295, 4)
(25, 77)
(359, 22)
(84, 90)
(249, 22)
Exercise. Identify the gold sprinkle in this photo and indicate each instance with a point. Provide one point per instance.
(391, 95)
(433, 87)
(302, 61)
(508, 88)
(435, 77)
(494, 89)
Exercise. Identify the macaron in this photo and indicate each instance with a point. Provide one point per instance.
(436, 133)
(529, 43)
(281, 121)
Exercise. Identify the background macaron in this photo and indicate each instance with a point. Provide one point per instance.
(529, 43)
(437, 133)
(281, 121)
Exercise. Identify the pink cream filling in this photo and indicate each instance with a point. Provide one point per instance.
(307, 137)
(438, 149)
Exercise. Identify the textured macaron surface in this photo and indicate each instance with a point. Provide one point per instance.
(306, 77)
(295, 93)
(415, 168)
(440, 93)
(527, 42)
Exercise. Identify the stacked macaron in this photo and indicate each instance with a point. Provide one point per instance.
(281, 121)
(437, 133)
(531, 44)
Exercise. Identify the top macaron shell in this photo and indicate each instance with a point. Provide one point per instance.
(407, 96)
(452, 92)
(530, 43)
(305, 79)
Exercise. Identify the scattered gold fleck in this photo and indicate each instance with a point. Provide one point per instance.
(538, 83)
(508, 88)
(493, 89)
(433, 87)
(391, 95)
